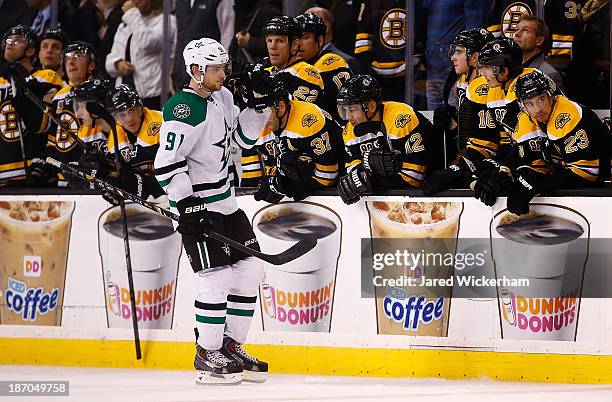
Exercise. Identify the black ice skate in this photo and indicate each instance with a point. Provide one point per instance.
(254, 370)
(216, 369)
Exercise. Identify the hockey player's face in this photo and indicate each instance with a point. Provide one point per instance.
(278, 50)
(80, 109)
(78, 67)
(539, 107)
(458, 57)
(489, 74)
(15, 48)
(130, 118)
(309, 46)
(50, 54)
(214, 77)
(354, 114)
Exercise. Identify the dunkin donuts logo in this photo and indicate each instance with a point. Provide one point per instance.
(32, 266)
(29, 302)
(151, 304)
(412, 311)
(297, 308)
(539, 314)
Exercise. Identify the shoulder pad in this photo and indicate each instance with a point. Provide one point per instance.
(305, 119)
(185, 107)
(478, 90)
(399, 119)
(330, 62)
(564, 118)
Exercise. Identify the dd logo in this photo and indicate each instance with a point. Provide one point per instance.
(32, 265)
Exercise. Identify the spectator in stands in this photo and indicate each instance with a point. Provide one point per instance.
(52, 44)
(200, 19)
(109, 18)
(136, 55)
(444, 19)
(249, 44)
(328, 20)
(78, 20)
(533, 38)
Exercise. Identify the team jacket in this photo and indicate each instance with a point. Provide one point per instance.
(309, 130)
(381, 37)
(576, 144)
(506, 14)
(305, 83)
(16, 114)
(562, 19)
(407, 131)
(139, 149)
(335, 71)
(194, 148)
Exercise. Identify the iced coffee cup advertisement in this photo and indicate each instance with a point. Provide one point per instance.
(320, 298)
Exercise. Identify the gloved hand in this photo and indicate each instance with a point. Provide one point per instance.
(295, 165)
(193, 218)
(382, 163)
(443, 115)
(131, 182)
(354, 184)
(270, 190)
(18, 73)
(452, 177)
(483, 192)
(525, 188)
(38, 175)
(495, 177)
(258, 84)
(93, 161)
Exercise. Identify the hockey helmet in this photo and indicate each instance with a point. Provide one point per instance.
(310, 22)
(55, 33)
(121, 98)
(359, 89)
(533, 84)
(285, 26)
(472, 40)
(21, 30)
(205, 52)
(80, 47)
(501, 52)
(93, 90)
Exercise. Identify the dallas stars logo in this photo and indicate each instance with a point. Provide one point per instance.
(223, 143)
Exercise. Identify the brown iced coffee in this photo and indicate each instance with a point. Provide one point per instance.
(430, 229)
(34, 236)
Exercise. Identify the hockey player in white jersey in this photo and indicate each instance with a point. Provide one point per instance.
(194, 167)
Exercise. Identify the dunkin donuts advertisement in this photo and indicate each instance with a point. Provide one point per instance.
(451, 271)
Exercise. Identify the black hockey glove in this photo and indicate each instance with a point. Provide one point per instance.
(258, 84)
(494, 176)
(382, 163)
(484, 192)
(295, 165)
(455, 176)
(270, 190)
(443, 115)
(38, 174)
(18, 73)
(132, 183)
(193, 218)
(525, 188)
(356, 183)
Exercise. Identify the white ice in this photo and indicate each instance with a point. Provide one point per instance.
(110, 385)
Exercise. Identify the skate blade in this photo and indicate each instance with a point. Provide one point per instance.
(254, 376)
(208, 378)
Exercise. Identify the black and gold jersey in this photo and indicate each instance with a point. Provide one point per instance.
(309, 130)
(138, 150)
(529, 145)
(21, 122)
(381, 37)
(562, 19)
(403, 129)
(505, 16)
(461, 87)
(335, 71)
(303, 81)
(60, 144)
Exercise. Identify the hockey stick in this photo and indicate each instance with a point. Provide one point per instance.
(95, 110)
(292, 253)
(45, 109)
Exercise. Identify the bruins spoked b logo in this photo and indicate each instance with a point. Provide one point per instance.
(511, 17)
(393, 29)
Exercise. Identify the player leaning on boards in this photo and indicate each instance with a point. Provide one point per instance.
(389, 144)
(193, 166)
(558, 143)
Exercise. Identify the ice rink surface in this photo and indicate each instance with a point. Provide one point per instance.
(95, 384)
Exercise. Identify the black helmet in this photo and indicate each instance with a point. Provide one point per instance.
(359, 89)
(501, 52)
(121, 98)
(533, 84)
(80, 46)
(472, 39)
(283, 25)
(93, 90)
(310, 22)
(55, 33)
(24, 31)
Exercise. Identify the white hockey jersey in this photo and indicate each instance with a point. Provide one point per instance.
(194, 149)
